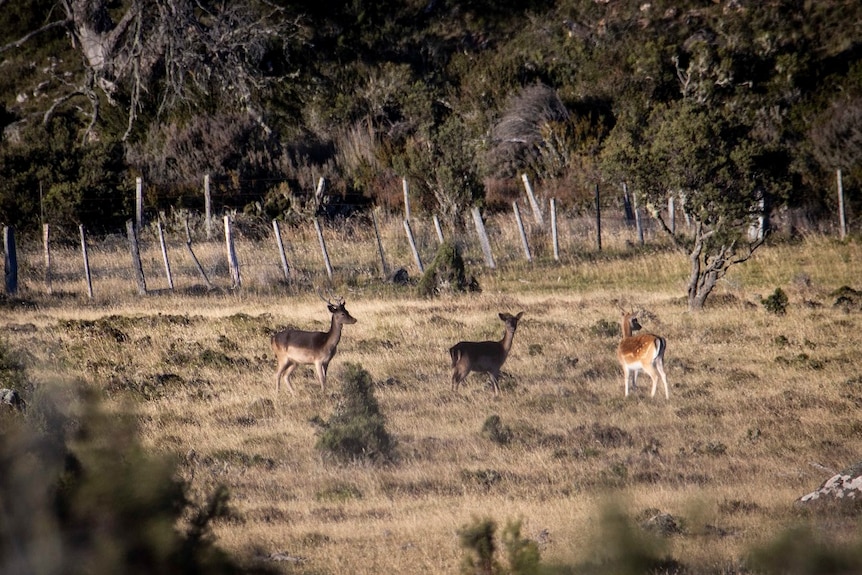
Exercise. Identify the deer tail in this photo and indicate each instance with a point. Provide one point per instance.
(455, 353)
(660, 346)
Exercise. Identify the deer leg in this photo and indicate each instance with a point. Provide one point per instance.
(659, 366)
(626, 377)
(458, 376)
(653, 371)
(456, 379)
(320, 368)
(287, 373)
(495, 376)
(284, 370)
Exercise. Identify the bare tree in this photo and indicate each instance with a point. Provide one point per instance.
(170, 53)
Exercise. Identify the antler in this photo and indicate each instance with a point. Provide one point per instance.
(339, 301)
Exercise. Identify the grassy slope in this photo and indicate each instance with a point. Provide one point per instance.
(760, 403)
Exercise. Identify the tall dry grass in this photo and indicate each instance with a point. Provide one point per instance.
(761, 405)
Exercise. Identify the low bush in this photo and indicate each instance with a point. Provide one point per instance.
(357, 430)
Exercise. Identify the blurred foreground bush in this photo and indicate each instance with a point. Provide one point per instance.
(79, 494)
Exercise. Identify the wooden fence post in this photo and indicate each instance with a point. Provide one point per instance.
(413, 246)
(521, 231)
(46, 246)
(627, 206)
(685, 215)
(87, 275)
(280, 245)
(135, 251)
(438, 229)
(554, 236)
(406, 188)
(638, 222)
(323, 248)
(842, 222)
(11, 260)
(208, 207)
(483, 238)
(598, 220)
(165, 256)
(194, 257)
(671, 214)
(384, 269)
(231, 253)
(139, 203)
(534, 205)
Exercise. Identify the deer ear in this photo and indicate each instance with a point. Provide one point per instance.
(520, 315)
(504, 316)
(332, 308)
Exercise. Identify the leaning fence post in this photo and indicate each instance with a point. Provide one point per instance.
(521, 231)
(231, 253)
(534, 205)
(406, 188)
(384, 269)
(413, 246)
(194, 257)
(135, 251)
(139, 203)
(323, 248)
(165, 256)
(483, 238)
(280, 244)
(11, 260)
(438, 229)
(87, 275)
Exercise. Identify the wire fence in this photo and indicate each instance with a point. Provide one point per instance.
(243, 252)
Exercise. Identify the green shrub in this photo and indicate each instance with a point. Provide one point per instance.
(478, 539)
(80, 484)
(357, 431)
(446, 273)
(776, 303)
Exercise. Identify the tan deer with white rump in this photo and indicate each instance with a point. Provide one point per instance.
(483, 356)
(644, 351)
(294, 347)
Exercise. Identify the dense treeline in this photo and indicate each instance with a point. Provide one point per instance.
(727, 102)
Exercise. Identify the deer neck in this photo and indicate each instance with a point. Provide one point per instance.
(334, 332)
(506, 342)
(627, 326)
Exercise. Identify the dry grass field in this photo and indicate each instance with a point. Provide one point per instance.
(762, 408)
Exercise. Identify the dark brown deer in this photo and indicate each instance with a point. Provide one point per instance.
(642, 352)
(483, 356)
(295, 347)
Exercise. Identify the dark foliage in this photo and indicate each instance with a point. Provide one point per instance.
(79, 494)
(447, 273)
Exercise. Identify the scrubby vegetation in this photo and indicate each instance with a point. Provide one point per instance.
(763, 407)
(80, 494)
(357, 430)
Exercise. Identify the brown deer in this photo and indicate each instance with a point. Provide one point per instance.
(483, 356)
(293, 347)
(644, 351)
